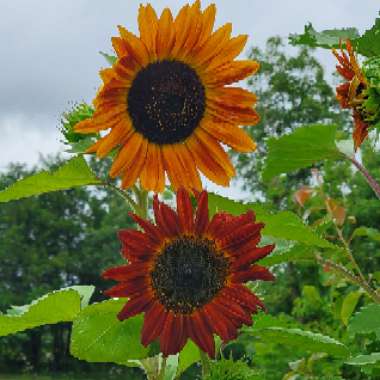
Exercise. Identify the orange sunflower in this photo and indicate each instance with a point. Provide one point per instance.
(187, 274)
(165, 104)
(350, 94)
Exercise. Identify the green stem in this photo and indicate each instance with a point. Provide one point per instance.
(205, 363)
(161, 375)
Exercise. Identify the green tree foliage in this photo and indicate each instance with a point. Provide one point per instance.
(293, 92)
(48, 242)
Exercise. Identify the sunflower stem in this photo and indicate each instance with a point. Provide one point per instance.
(205, 363)
(370, 180)
(161, 375)
(124, 195)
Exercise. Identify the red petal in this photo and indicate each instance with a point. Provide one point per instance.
(240, 294)
(134, 306)
(200, 334)
(153, 323)
(253, 255)
(128, 289)
(167, 336)
(241, 236)
(201, 216)
(126, 272)
(223, 326)
(185, 210)
(150, 229)
(235, 310)
(255, 272)
(166, 220)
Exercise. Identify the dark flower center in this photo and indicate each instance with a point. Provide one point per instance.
(189, 272)
(166, 101)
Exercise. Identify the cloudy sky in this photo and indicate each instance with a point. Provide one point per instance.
(49, 53)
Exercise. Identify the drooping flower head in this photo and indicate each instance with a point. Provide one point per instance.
(352, 93)
(187, 274)
(165, 101)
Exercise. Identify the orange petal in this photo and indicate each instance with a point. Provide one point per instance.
(133, 169)
(127, 154)
(117, 136)
(216, 150)
(194, 30)
(148, 26)
(174, 168)
(152, 176)
(181, 27)
(193, 179)
(230, 73)
(136, 48)
(230, 135)
(214, 45)
(166, 34)
(232, 95)
(206, 162)
(232, 114)
(207, 24)
(230, 51)
(119, 46)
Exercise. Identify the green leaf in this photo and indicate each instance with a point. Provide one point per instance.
(326, 39)
(366, 321)
(368, 44)
(362, 360)
(372, 233)
(188, 356)
(72, 173)
(99, 337)
(304, 340)
(284, 225)
(85, 293)
(59, 306)
(111, 59)
(301, 149)
(349, 305)
(297, 253)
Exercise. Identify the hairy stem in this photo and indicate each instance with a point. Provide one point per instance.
(370, 180)
(350, 277)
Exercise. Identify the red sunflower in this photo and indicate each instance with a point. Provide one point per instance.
(351, 94)
(187, 274)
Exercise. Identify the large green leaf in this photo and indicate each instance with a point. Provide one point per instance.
(304, 340)
(299, 252)
(326, 39)
(98, 336)
(72, 173)
(361, 360)
(367, 44)
(366, 321)
(284, 225)
(301, 149)
(59, 306)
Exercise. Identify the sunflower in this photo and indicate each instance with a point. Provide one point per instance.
(352, 93)
(165, 105)
(187, 274)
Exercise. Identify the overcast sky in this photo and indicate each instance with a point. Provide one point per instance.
(49, 53)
